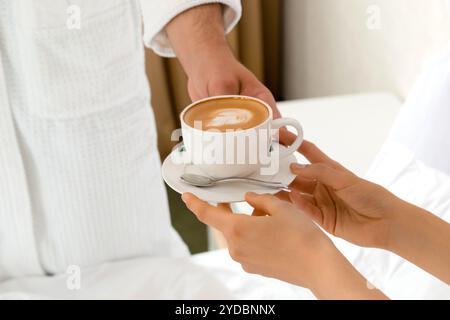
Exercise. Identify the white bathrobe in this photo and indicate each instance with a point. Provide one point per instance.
(80, 180)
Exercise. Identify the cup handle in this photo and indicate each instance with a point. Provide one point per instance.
(280, 123)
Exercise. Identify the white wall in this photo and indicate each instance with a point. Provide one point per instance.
(330, 50)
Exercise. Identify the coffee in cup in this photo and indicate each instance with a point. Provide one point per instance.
(227, 114)
(233, 136)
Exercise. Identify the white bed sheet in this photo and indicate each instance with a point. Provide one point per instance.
(140, 278)
(215, 276)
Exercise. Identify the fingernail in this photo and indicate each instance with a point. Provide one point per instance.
(184, 197)
(251, 194)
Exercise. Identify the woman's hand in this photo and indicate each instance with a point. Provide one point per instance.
(342, 203)
(368, 215)
(284, 244)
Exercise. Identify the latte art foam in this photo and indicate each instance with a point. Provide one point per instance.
(227, 114)
(228, 117)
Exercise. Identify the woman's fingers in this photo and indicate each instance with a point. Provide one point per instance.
(225, 206)
(258, 213)
(264, 203)
(303, 185)
(329, 176)
(311, 152)
(283, 195)
(216, 217)
(306, 204)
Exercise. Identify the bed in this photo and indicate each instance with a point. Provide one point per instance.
(213, 275)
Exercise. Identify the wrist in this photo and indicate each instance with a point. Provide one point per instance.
(198, 34)
(336, 279)
(386, 230)
(207, 56)
(323, 266)
(402, 224)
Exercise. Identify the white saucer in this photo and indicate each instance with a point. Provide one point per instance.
(224, 192)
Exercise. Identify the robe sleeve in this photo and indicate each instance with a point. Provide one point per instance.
(157, 13)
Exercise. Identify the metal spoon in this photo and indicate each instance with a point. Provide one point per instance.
(204, 182)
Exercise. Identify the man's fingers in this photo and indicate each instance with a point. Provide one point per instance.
(252, 87)
(286, 137)
(329, 176)
(193, 92)
(216, 217)
(264, 203)
(267, 97)
(306, 204)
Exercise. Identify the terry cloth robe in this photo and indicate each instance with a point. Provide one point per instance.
(80, 180)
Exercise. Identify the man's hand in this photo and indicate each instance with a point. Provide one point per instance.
(198, 37)
(223, 76)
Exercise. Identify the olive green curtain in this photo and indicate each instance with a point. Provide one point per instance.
(256, 42)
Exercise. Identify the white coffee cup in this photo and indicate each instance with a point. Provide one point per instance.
(220, 154)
